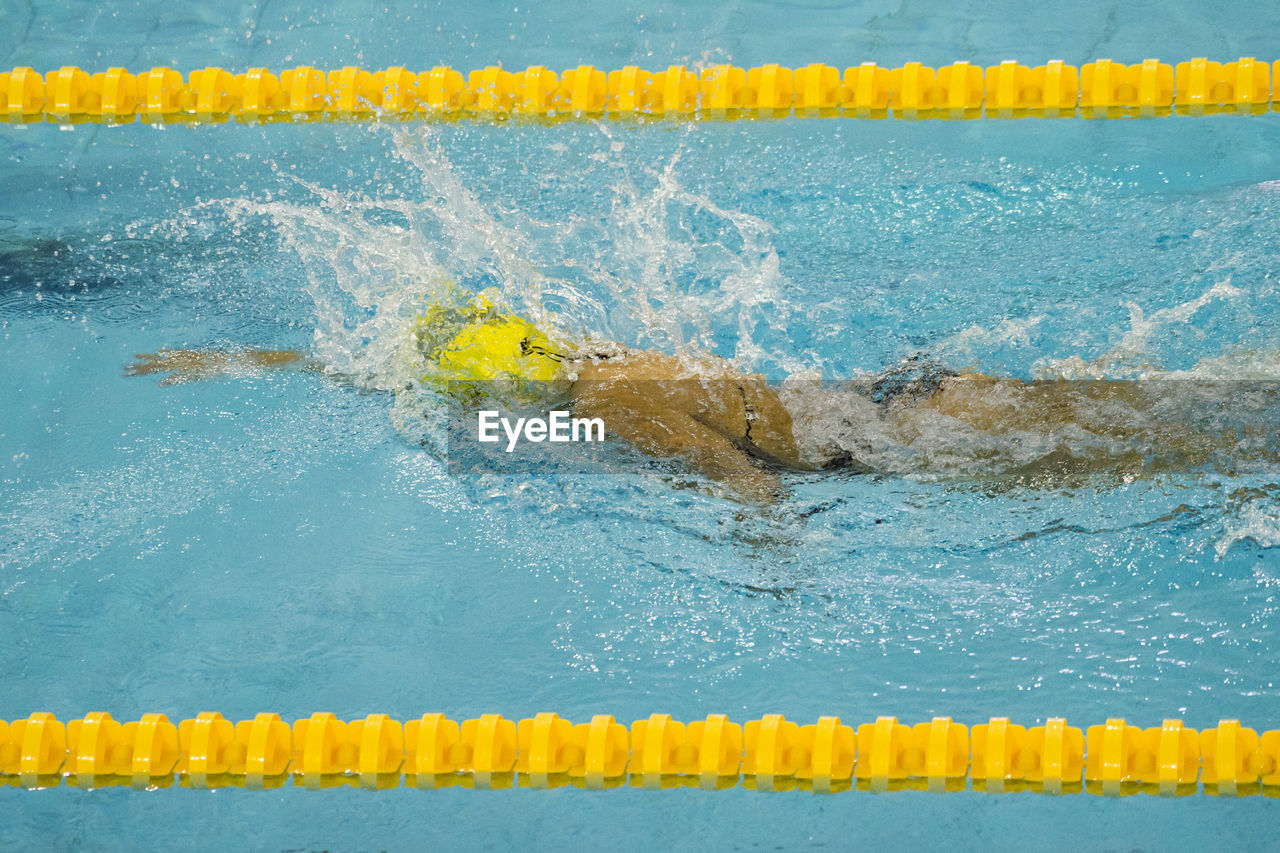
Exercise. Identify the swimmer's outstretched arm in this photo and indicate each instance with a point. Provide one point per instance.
(188, 365)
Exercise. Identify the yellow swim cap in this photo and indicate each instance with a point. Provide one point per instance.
(502, 347)
(467, 347)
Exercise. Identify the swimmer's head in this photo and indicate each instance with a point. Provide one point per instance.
(469, 348)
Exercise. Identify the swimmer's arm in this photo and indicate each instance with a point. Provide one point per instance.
(188, 365)
(769, 426)
(666, 432)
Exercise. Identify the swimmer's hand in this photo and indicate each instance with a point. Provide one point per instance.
(188, 365)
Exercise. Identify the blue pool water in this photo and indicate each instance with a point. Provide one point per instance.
(280, 542)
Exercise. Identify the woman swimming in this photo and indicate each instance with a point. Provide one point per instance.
(728, 426)
(735, 428)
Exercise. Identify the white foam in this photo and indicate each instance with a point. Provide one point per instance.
(373, 264)
(1130, 358)
(1257, 520)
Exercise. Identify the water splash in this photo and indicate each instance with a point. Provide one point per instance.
(699, 277)
(671, 269)
(1131, 358)
(1252, 515)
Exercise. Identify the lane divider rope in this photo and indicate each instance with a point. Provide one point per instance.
(769, 754)
(1099, 89)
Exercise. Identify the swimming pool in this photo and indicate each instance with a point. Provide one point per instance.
(271, 542)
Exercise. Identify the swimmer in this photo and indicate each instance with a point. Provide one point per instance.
(725, 425)
(733, 427)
